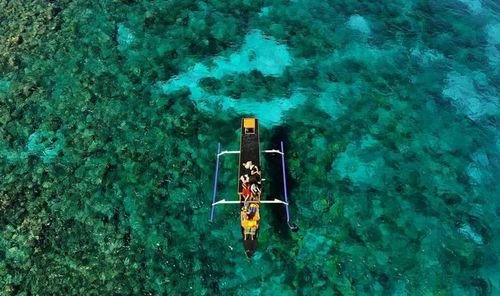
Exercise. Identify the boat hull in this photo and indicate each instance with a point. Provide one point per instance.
(249, 154)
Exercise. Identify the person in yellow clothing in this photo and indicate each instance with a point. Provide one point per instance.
(250, 224)
(250, 229)
(249, 220)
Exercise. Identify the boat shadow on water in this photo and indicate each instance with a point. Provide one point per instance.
(274, 180)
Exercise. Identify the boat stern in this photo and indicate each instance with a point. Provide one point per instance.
(249, 242)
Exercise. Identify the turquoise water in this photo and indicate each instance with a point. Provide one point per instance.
(111, 111)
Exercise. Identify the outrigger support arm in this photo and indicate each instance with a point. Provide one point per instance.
(275, 201)
(274, 151)
(227, 152)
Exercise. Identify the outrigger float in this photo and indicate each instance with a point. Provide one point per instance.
(249, 184)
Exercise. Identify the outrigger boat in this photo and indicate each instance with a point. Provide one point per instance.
(249, 184)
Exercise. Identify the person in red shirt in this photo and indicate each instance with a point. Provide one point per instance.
(246, 192)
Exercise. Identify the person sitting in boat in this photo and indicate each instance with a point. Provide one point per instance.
(255, 189)
(244, 213)
(253, 168)
(254, 208)
(253, 212)
(254, 179)
(246, 192)
(244, 217)
(250, 232)
(245, 179)
(249, 228)
(250, 220)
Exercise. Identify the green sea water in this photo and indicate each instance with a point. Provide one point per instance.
(111, 111)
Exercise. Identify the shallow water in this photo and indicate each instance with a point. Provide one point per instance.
(110, 115)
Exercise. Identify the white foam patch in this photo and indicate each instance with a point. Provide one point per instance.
(260, 53)
(359, 23)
